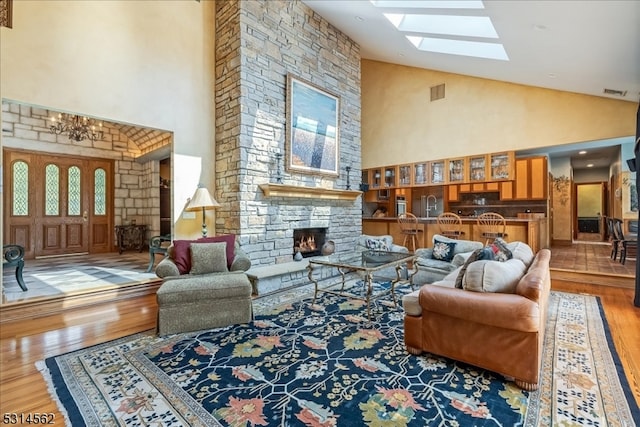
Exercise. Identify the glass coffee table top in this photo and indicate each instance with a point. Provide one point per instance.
(363, 261)
(366, 264)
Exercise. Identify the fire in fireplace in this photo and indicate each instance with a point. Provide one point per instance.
(308, 241)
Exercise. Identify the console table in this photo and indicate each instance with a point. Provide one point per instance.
(131, 236)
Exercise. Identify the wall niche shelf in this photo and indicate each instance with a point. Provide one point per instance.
(283, 190)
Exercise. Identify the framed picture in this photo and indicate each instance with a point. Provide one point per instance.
(313, 132)
(629, 195)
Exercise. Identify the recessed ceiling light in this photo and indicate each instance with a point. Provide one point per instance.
(590, 165)
(552, 75)
(539, 27)
(582, 152)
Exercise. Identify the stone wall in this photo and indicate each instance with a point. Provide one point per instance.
(137, 194)
(258, 43)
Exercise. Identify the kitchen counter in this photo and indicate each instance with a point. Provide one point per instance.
(533, 231)
(465, 219)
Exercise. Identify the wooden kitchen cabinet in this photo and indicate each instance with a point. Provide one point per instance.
(457, 170)
(477, 168)
(404, 176)
(501, 166)
(420, 171)
(531, 179)
(453, 193)
(437, 172)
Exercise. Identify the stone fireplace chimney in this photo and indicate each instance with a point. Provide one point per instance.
(257, 44)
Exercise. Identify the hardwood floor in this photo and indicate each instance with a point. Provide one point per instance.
(23, 342)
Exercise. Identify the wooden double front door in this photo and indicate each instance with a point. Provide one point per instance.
(57, 205)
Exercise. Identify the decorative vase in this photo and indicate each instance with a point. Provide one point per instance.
(297, 256)
(328, 248)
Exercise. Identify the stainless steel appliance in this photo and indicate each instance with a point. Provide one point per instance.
(401, 205)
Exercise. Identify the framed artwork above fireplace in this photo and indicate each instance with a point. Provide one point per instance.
(313, 128)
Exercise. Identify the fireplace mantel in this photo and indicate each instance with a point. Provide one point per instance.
(283, 190)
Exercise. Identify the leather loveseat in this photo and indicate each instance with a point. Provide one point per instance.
(499, 331)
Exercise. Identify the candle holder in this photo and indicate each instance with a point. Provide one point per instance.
(278, 168)
(348, 169)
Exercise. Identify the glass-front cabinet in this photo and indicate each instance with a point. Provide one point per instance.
(420, 173)
(404, 175)
(376, 178)
(437, 172)
(478, 168)
(390, 176)
(456, 170)
(365, 177)
(501, 166)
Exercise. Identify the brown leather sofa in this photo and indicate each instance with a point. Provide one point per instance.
(500, 332)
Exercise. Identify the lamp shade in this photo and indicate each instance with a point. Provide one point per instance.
(202, 200)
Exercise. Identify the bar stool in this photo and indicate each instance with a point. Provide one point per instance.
(492, 225)
(408, 223)
(450, 225)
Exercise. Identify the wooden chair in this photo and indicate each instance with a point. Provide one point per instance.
(625, 243)
(613, 237)
(450, 225)
(492, 225)
(157, 246)
(14, 257)
(408, 223)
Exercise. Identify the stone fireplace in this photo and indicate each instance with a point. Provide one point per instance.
(262, 200)
(308, 241)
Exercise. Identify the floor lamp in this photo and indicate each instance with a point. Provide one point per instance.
(202, 200)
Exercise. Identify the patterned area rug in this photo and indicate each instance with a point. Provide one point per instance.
(325, 364)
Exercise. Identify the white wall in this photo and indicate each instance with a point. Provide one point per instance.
(140, 62)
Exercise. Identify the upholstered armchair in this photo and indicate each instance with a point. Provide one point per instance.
(381, 243)
(204, 285)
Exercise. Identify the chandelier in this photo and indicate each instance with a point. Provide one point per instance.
(78, 128)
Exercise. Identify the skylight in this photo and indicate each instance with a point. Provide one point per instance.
(452, 25)
(460, 47)
(430, 4)
(454, 34)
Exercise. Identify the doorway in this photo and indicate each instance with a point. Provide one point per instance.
(58, 205)
(589, 211)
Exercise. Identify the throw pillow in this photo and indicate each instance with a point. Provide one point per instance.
(443, 251)
(181, 255)
(494, 276)
(475, 255)
(230, 239)
(208, 258)
(501, 251)
(377, 245)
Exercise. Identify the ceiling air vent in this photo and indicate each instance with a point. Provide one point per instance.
(437, 92)
(615, 92)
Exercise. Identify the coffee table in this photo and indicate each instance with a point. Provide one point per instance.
(366, 263)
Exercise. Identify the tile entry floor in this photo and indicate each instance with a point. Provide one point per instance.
(54, 277)
(592, 257)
